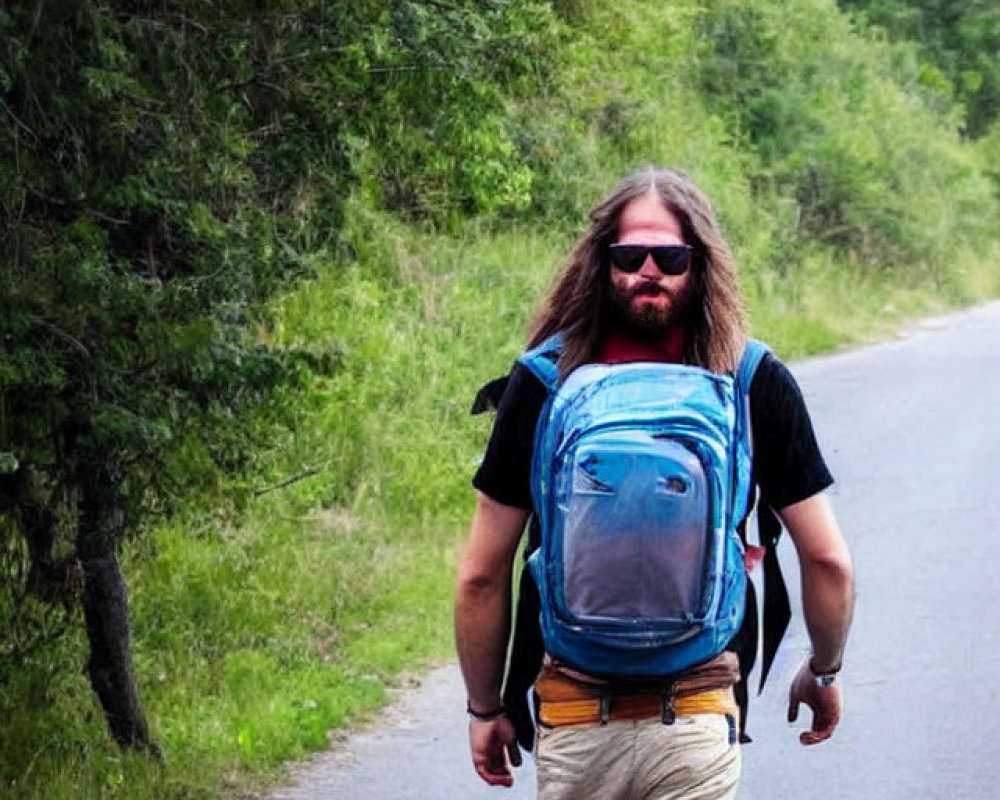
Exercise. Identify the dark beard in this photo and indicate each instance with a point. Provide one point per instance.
(645, 320)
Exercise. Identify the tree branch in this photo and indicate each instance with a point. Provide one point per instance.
(65, 337)
(22, 125)
(306, 473)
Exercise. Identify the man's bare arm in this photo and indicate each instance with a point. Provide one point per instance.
(482, 626)
(828, 605)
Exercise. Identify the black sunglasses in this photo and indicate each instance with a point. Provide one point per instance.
(670, 259)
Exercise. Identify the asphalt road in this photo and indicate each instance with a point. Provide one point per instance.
(911, 430)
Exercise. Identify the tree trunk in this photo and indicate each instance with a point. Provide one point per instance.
(106, 612)
(101, 528)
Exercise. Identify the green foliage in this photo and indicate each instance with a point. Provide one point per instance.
(959, 42)
(133, 255)
(873, 169)
(165, 172)
(408, 97)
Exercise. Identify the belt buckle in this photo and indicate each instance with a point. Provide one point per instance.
(667, 714)
(604, 705)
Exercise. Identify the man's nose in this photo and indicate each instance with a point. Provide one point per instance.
(649, 270)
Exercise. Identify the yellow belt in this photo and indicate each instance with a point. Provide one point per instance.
(562, 710)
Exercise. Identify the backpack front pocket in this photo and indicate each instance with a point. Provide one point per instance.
(637, 531)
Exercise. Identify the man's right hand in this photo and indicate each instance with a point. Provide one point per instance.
(494, 750)
(826, 702)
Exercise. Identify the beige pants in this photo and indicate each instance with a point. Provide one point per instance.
(692, 759)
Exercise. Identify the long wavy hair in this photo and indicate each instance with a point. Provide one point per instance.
(577, 303)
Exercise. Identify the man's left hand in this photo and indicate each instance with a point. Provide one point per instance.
(494, 750)
(826, 702)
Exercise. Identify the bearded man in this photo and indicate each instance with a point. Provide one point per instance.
(651, 281)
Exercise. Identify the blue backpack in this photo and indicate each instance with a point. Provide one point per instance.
(640, 476)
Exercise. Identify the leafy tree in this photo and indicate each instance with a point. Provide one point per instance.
(133, 261)
(164, 166)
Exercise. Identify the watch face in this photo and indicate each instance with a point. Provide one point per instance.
(825, 680)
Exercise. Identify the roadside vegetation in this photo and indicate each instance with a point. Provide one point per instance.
(366, 200)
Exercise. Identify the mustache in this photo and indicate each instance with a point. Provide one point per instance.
(650, 288)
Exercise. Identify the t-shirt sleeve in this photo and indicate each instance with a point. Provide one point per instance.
(788, 464)
(505, 472)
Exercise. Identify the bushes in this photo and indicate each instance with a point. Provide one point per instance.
(874, 169)
(958, 43)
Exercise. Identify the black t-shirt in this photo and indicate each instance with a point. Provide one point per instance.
(788, 465)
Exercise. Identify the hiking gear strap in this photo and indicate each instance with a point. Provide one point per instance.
(543, 361)
(777, 607)
(753, 354)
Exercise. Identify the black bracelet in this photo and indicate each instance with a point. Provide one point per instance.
(487, 716)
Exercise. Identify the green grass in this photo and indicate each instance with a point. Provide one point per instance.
(825, 305)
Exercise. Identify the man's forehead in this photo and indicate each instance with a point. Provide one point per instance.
(648, 213)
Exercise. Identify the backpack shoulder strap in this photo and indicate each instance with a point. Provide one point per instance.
(543, 361)
(770, 626)
(753, 354)
(526, 646)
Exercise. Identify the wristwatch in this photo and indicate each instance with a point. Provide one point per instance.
(824, 679)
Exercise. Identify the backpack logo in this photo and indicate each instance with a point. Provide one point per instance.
(640, 476)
